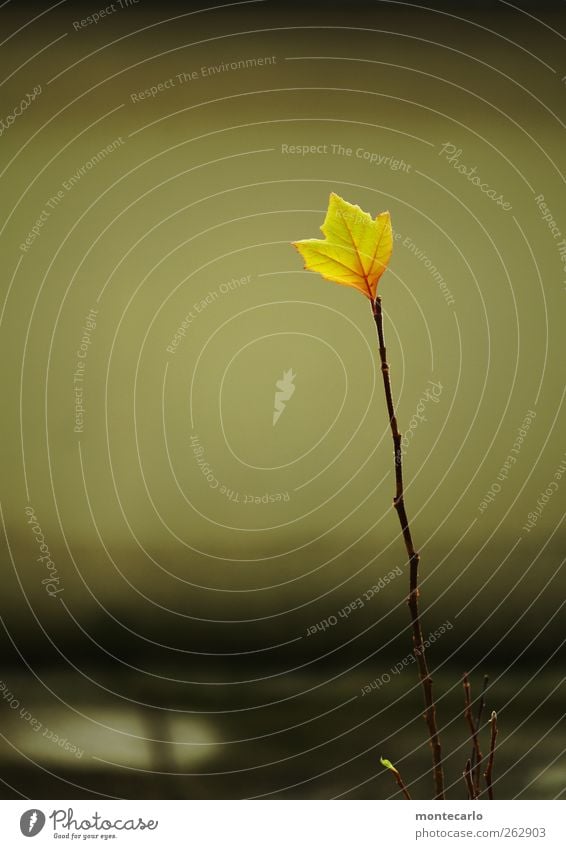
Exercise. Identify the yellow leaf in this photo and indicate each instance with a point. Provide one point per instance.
(384, 762)
(356, 247)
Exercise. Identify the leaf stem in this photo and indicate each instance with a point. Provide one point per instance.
(488, 774)
(413, 599)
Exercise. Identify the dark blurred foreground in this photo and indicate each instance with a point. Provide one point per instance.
(296, 736)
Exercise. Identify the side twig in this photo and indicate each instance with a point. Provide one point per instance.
(477, 756)
(397, 775)
(413, 600)
(481, 704)
(488, 774)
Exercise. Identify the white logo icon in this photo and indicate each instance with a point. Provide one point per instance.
(285, 388)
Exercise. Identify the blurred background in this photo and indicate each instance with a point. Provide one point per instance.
(198, 602)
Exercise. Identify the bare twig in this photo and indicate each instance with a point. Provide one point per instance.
(468, 779)
(481, 704)
(397, 775)
(488, 774)
(413, 599)
(477, 756)
(402, 785)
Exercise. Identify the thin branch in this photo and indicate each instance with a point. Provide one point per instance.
(481, 704)
(403, 786)
(413, 600)
(477, 756)
(397, 776)
(468, 779)
(488, 774)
